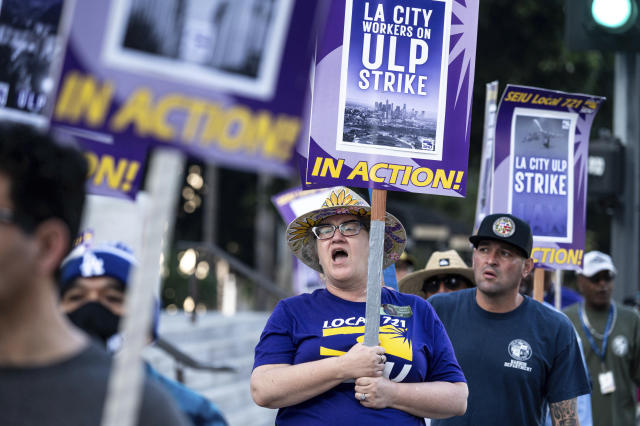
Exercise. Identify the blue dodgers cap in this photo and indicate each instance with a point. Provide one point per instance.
(507, 228)
(112, 259)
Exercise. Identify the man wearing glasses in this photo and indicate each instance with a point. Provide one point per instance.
(445, 272)
(610, 333)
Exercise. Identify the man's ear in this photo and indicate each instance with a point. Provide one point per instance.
(53, 240)
(528, 267)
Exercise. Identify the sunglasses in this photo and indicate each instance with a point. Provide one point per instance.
(348, 229)
(601, 276)
(451, 282)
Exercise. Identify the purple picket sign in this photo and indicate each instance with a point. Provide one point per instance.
(392, 96)
(483, 203)
(540, 168)
(291, 204)
(33, 37)
(224, 84)
(115, 169)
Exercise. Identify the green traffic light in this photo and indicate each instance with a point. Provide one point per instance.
(614, 14)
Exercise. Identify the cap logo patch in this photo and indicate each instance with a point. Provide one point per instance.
(91, 266)
(504, 227)
(444, 262)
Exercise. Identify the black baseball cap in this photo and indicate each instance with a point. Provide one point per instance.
(507, 228)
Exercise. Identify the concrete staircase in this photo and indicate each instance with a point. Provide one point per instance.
(219, 340)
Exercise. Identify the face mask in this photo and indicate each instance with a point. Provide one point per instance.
(95, 319)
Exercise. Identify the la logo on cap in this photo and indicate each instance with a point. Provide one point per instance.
(91, 265)
(504, 227)
(444, 262)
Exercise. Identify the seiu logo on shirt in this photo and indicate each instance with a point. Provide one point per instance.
(393, 338)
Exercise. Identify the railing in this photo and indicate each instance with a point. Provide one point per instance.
(183, 360)
(235, 264)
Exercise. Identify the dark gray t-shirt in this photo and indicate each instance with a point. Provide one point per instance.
(72, 393)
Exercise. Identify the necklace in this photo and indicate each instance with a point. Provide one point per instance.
(585, 320)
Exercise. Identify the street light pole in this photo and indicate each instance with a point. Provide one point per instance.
(625, 225)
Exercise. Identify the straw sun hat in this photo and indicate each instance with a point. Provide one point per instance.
(341, 201)
(441, 262)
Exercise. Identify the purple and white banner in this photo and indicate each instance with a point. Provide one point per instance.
(32, 39)
(115, 170)
(392, 95)
(483, 203)
(291, 204)
(223, 81)
(540, 168)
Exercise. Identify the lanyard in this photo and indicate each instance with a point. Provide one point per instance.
(589, 331)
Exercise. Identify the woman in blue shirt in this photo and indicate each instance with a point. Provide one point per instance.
(310, 362)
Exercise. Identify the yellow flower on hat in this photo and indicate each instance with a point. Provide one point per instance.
(342, 199)
(300, 230)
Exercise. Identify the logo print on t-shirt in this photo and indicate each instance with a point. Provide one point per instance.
(620, 345)
(520, 351)
(394, 338)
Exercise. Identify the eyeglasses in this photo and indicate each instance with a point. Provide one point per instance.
(6, 216)
(348, 229)
(601, 276)
(451, 282)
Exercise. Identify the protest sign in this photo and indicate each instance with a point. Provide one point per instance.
(483, 203)
(32, 37)
(291, 204)
(115, 170)
(540, 168)
(392, 96)
(222, 81)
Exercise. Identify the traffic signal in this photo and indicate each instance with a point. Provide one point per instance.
(611, 25)
(605, 167)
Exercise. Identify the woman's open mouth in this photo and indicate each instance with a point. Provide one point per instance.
(339, 255)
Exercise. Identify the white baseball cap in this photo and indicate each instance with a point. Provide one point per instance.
(596, 261)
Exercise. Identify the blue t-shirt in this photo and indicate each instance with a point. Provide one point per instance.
(314, 326)
(513, 362)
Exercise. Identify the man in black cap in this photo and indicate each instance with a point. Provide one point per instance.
(517, 354)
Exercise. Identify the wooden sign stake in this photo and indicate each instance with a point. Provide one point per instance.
(538, 284)
(374, 277)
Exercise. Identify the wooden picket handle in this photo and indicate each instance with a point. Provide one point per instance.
(378, 204)
(538, 284)
(374, 277)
